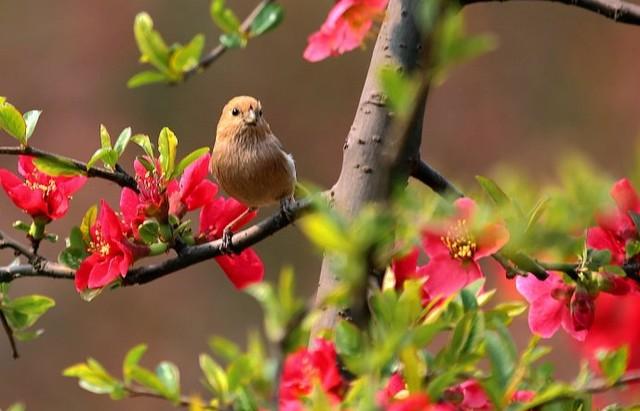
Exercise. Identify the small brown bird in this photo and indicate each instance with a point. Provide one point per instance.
(249, 162)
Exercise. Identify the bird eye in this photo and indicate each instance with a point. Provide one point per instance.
(260, 113)
(235, 111)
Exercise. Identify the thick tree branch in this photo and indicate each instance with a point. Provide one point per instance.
(372, 155)
(119, 176)
(616, 10)
(220, 49)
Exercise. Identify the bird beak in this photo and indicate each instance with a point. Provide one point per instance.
(251, 118)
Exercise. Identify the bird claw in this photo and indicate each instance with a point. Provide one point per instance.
(227, 247)
(286, 208)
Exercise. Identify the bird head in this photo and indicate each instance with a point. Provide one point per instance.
(242, 114)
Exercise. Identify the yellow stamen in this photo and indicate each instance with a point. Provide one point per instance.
(460, 242)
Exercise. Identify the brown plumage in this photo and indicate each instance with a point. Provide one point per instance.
(248, 160)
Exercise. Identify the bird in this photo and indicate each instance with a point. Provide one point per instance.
(250, 163)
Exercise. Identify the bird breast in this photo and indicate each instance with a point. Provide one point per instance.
(256, 173)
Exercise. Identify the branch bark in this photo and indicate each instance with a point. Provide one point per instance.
(119, 177)
(616, 10)
(366, 173)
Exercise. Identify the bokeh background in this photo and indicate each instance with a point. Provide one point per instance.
(562, 80)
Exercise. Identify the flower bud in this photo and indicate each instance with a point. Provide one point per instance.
(582, 307)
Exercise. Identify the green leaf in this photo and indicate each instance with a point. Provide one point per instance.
(108, 156)
(149, 231)
(144, 142)
(224, 17)
(131, 360)
(214, 375)
(27, 335)
(536, 213)
(400, 90)
(105, 138)
(493, 190)
(233, 40)
(57, 167)
(88, 220)
(325, 231)
(145, 78)
(269, 17)
(31, 120)
(32, 305)
(613, 363)
(632, 249)
(122, 141)
(224, 348)
(12, 122)
(17, 407)
(348, 339)
(187, 57)
(501, 359)
(72, 257)
(149, 380)
(188, 159)
(167, 146)
(152, 47)
(169, 375)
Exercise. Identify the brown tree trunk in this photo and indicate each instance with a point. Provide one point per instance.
(366, 172)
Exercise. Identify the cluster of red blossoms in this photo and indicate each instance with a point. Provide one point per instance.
(114, 241)
(317, 367)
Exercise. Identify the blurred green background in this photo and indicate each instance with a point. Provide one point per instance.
(561, 80)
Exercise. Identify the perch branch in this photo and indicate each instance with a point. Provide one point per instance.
(616, 10)
(119, 176)
(188, 255)
(220, 49)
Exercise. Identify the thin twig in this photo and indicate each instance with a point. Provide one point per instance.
(9, 332)
(598, 385)
(616, 10)
(219, 49)
(424, 173)
(119, 177)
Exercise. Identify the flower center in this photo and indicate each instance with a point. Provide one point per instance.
(45, 188)
(460, 242)
(99, 246)
(151, 186)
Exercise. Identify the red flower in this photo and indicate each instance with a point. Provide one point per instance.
(194, 189)
(40, 195)
(549, 302)
(345, 29)
(151, 201)
(454, 250)
(242, 269)
(110, 257)
(469, 395)
(614, 327)
(616, 228)
(307, 368)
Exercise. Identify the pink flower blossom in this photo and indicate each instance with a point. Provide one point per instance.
(454, 249)
(549, 302)
(38, 194)
(616, 228)
(345, 28)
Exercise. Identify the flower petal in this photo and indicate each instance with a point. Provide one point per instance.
(194, 174)
(201, 195)
(491, 239)
(447, 276)
(601, 239)
(625, 196)
(404, 267)
(243, 269)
